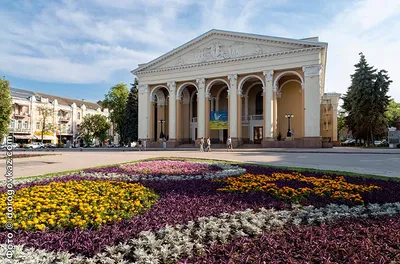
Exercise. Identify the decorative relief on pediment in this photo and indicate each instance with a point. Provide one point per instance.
(220, 49)
(180, 61)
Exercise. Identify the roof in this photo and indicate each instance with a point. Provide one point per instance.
(25, 94)
(308, 41)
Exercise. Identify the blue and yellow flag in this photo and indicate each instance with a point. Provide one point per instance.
(218, 120)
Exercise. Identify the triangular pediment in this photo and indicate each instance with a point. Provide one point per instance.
(217, 45)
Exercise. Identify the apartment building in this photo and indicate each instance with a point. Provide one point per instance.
(61, 116)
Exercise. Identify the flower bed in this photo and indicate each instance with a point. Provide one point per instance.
(30, 155)
(197, 215)
(77, 203)
(336, 188)
(169, 167)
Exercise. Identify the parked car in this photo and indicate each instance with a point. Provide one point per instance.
(377, 143)
(50, 145)
(34, 145)
(14, 146)
(348, 142)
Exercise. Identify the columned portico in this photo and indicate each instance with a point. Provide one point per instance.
(233, 106)
(201, 113)
(251, 81)
(268, 103)
(312, 100)
(172, 111)
(144, 106)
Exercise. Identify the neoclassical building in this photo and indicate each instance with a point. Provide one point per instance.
(244, 86)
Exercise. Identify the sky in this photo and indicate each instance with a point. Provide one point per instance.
(80, 49)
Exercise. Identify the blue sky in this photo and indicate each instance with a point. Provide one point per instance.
(80, 49)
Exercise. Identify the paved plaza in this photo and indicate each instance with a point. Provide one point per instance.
(367, 162)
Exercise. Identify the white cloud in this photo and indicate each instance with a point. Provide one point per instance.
(87, 43)
(364, 26)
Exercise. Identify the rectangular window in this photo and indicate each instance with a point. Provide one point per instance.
(19, 124)
(26, 125)
(38, 125)
(12, 123)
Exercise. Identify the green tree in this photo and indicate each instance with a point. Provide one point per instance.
(46, 112)
(341, 124)
(5, 107)
(366, 101)
(94, 126)
(131, 114)
(393, 113)
(115, 100)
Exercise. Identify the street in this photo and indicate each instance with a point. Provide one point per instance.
(377, 164)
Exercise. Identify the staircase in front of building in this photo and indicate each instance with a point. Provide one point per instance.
(250, 146)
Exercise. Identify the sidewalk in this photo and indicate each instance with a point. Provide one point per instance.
(335, 150)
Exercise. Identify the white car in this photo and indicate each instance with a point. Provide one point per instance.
(14, 146)
(34, 145)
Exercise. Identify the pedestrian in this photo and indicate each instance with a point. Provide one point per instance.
(229, 144)
(208, 144)
(140, 144)
(202, 144)
(164, 143)
(144, 144)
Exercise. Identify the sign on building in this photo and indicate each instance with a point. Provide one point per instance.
(218, 120)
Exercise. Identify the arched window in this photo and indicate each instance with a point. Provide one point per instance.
(79, 116)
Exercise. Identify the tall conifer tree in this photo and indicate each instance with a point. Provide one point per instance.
(366, 101)
(131, 114)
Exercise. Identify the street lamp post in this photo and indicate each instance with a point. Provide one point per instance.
(161, 122)
(289, 116)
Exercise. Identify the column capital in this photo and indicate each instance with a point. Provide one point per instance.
(143, 88)
(172, 86)
(268, 75)
(232, 79)
(312, 70)
(201, 81)
(208, 95)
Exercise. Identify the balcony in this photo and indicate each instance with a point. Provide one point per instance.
(21, 114)
(64, 119)
(20, 130)
(247, 119)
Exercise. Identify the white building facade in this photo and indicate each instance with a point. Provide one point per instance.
(256, 81)
(64, 116)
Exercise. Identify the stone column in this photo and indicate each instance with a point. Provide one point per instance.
(232, 93)
(246, 106)
(312, 103)
(275, 112)
(201, 108)
(268, 105)
(143, 109)
(172, 111)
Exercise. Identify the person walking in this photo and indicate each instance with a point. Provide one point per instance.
(202, 144)
(229, 144)
(140, 144)
(208, 144)
(164, 143)
(144, 144)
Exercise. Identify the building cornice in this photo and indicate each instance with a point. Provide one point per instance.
(196, 65)
(231, 34)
